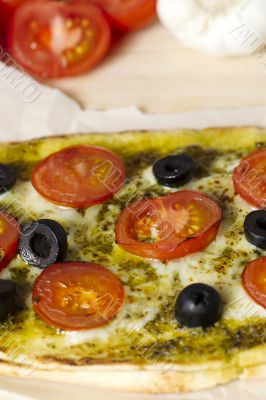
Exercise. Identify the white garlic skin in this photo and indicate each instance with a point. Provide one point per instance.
(217, 27)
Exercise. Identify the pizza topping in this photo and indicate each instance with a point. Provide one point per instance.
(8, 177)
(79, 176)
(43, 243)
(254, 280)
(175, 170)
(91, 237)
(255, 228)
(198, 305)
(169, 227)
(250, 178)
(77, 296)
(57, 38)
(7, 298)
(9, 238)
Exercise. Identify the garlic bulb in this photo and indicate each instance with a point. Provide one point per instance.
(219, 27)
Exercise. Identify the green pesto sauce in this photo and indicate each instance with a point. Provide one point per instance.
(204, 158)
(23, 169)
(161, 339)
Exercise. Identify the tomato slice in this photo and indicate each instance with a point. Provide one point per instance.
(169, 227)
(77, 296)
(129, 14)
(9, 238)
(79, 176)
(254, 280)
(250, 178)
(56, 38)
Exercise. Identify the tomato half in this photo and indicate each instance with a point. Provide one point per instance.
(254, 280)
(77, 296)
(56, 38)
(79, 176)
(250, 178)
(9, 238)
(169, 227)
(129, 14)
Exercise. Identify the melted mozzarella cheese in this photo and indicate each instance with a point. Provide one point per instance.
(219, 265)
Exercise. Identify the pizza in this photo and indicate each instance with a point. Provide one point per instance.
(134, 261)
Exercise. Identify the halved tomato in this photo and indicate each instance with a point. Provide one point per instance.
(169, 227)
(128, 14)
(9, 238)
(250, 178)
(79, 176)
(254, 280)
(58, 38)
(77, 296)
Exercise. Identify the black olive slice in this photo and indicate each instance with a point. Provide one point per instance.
(8, 177)
(7, 298)
(43, 242)
(255, 228)
(175, 170)
(198, 305)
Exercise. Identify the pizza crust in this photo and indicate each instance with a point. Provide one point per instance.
(128, 379)
(141, 379)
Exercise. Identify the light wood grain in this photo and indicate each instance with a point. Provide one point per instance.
(151, 70)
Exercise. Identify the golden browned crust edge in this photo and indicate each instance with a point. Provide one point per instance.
(210, 130)
(160, 378)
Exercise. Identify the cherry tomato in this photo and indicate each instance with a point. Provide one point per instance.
(128, 14)
(77, 296)
(250, 178)
(56, 38)
(169, 227)
(79, 176)
(254, 280)
(9, 238)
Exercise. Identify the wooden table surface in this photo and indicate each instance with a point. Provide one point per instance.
(152, 70)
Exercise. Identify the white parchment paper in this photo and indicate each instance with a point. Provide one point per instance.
(30, 110)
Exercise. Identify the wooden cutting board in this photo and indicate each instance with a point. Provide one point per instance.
(152, 70)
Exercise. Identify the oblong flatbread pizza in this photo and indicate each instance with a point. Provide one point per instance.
(134, 261)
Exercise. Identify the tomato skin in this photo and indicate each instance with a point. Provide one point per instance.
(250, 178)
(5, 14)
(254, 280)
(174, 245)
(77, 296)
(185, 248)
(130, 14)
(79, 176)
(13, 3)
(9, 238)
(42, 42)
